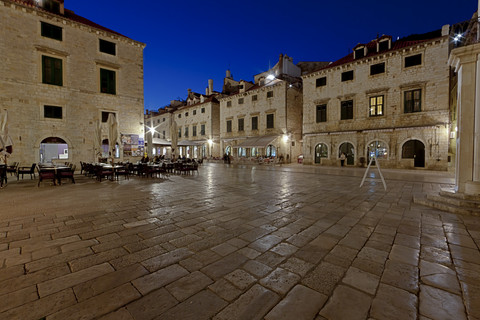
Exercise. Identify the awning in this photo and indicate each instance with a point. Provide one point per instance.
(256, 142)
(184, 143)
(162, 142)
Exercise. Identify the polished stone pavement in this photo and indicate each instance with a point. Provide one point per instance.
(237, 242)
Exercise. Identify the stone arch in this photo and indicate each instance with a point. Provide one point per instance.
(349, 149)
(320, 150)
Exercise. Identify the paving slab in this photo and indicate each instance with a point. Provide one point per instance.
(237, 242)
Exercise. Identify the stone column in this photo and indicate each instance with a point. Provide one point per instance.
(466, 61)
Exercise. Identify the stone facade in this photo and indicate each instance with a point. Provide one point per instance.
(275, 101)
(386, 98)
(198, 127)
(24, 94)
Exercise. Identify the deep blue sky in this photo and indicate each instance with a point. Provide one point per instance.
(191, 41)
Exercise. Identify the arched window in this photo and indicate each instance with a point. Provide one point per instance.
(53, 148)
(349, 151)
(377, 148)
(321, 151)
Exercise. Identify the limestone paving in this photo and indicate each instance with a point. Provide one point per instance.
(237, 242)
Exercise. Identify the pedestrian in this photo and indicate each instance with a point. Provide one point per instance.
(342, 159)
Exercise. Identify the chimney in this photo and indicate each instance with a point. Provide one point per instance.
(210, 86)
(229, 74)
(189, 91)
(446, 30)
(206, 91)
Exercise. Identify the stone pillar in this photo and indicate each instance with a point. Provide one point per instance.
(466, 61)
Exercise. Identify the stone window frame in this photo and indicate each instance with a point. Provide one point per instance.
(345, 76)
(410, 55)
(49, 30)
(241, 100)
(106, 49)
(241, 124)
(251, 121)
(377, 73)
(342, 102)
(228, 125)
(43, 55)
(100, 68)
(42, 112)
(229, 103)
(321, 82)
(317, 107)
(267, 122)
(269, 94)
(254, 97)
(369, 101)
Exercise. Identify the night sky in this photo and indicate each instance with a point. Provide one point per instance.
(189, 42)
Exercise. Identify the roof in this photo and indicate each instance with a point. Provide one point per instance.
(69, 14)
(397, 45)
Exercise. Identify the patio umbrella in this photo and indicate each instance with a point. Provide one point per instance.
(6, 143)
(174, 137)
(97, 142)
(113, 136)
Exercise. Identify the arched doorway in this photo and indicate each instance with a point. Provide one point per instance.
(321, 151)
(228, 150)
(53, 148)
(271, 151)
(377, 148)
(414, 149)
(349, 151)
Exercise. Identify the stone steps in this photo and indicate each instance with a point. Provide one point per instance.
(450, 202)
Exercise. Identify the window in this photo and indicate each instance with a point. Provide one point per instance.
(347, 75)
(254, 123)
(180, 132)
(52, 112)
(51, 31)
(105, 115)
(412, 101)
(321, 82)
(52, 6)
(163, 134)
(194, 131)
(202, 130)
(163, 119)
(203, 110)
(384, 45)
(229, 125)
(107, 47)
(346, 110)
(270, 121)
(186, 114)
(229, 103)
(359, 53)
(377, 68)
(413, 60)
(376, 106)
(240, 101)
(107, 81)
(186, 131)
(179, 115)
(322, 113)
(269, 94)
(52, 72)
(240, 124)
(194, 112)
(254, 97)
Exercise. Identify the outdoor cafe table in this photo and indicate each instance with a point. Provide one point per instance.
(56, 169)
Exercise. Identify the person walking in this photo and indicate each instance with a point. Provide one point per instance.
(342, 159)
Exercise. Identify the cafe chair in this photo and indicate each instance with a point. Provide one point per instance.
(122, 171)
(26, 170)
(45, 174)
(13, 168)
(101, 172)
(67, 174)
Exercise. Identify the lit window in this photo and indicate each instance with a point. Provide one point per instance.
(376, 106)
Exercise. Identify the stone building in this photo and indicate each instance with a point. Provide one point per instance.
(264, 118)
(60, 75)
(386, 98)
(197, 125)
(158, 129)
